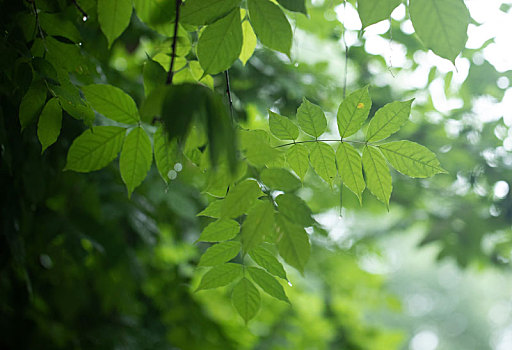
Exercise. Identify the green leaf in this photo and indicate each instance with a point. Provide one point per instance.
(268, 261)
(256, 147)
(293, 244)
(268, 283)
(136, 158)
(294, 5)
(297, 157)
(58, 25)
(282, 127)
(270, 24)
(441, 25)
(156, 13)
(220, 230)
(200, 12)
(165, 153)
(249, 41)
(81, 111)
(351, 169)
(388, 120)
(212, 210)
(378, 178)
(220, 276)
(353, 111)
(323, 160)
(50, 122)
(220, 43)
(154, 75)
(32, 103)
(258, 224)
(295, 209)
(95, 148)
(280, 179)
(374, 11)
(311, 118)
(411, 159)
(112, 102)
(114, 16)
(240, 198)
(246, 299)
(220, 253)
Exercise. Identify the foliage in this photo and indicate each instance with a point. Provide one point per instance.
(63, 77)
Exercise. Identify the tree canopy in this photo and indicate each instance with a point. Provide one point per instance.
(172, 170)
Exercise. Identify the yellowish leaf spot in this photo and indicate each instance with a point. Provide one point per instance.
(360, 105)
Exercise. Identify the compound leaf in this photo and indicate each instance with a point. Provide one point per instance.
(323, 160)
(258, 224)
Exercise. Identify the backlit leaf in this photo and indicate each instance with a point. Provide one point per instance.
(220, 43)
(246, 299)
(220, 253)
(50, 122)
(256, 147)
(212, 210)
(270, 25)
(165, 153)
(374, 11)
(441, 25)
(280, 179)
(323, 160)
(351, 169)
(249, 40)
(201, 12)
(136, 158)
(220, 275)
(95, 148)
(282, 127)
(378, 178)
(388, 120)
(297, 157)
(268, 261)
(258, 224)
(112, 102)
(411, 159)
(353, 111)
(32, 103)
(311, 118)
(154, 75)
(220, 230)
(268, 283)
(295, 209)
(240, 198)
(293, 243)
(114, 16)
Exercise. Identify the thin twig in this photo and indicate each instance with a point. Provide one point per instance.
(228, 92)
(84, 14)
(309, 141)
(170, 74)
(38, 24)
(346, 50)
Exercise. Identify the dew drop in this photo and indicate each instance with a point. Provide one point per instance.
(84, 18)
(290, 284)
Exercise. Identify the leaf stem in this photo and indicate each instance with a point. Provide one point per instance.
(317, 140)
(170, 74)
(228, 92)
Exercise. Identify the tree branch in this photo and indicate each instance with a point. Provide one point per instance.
(170, 74)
